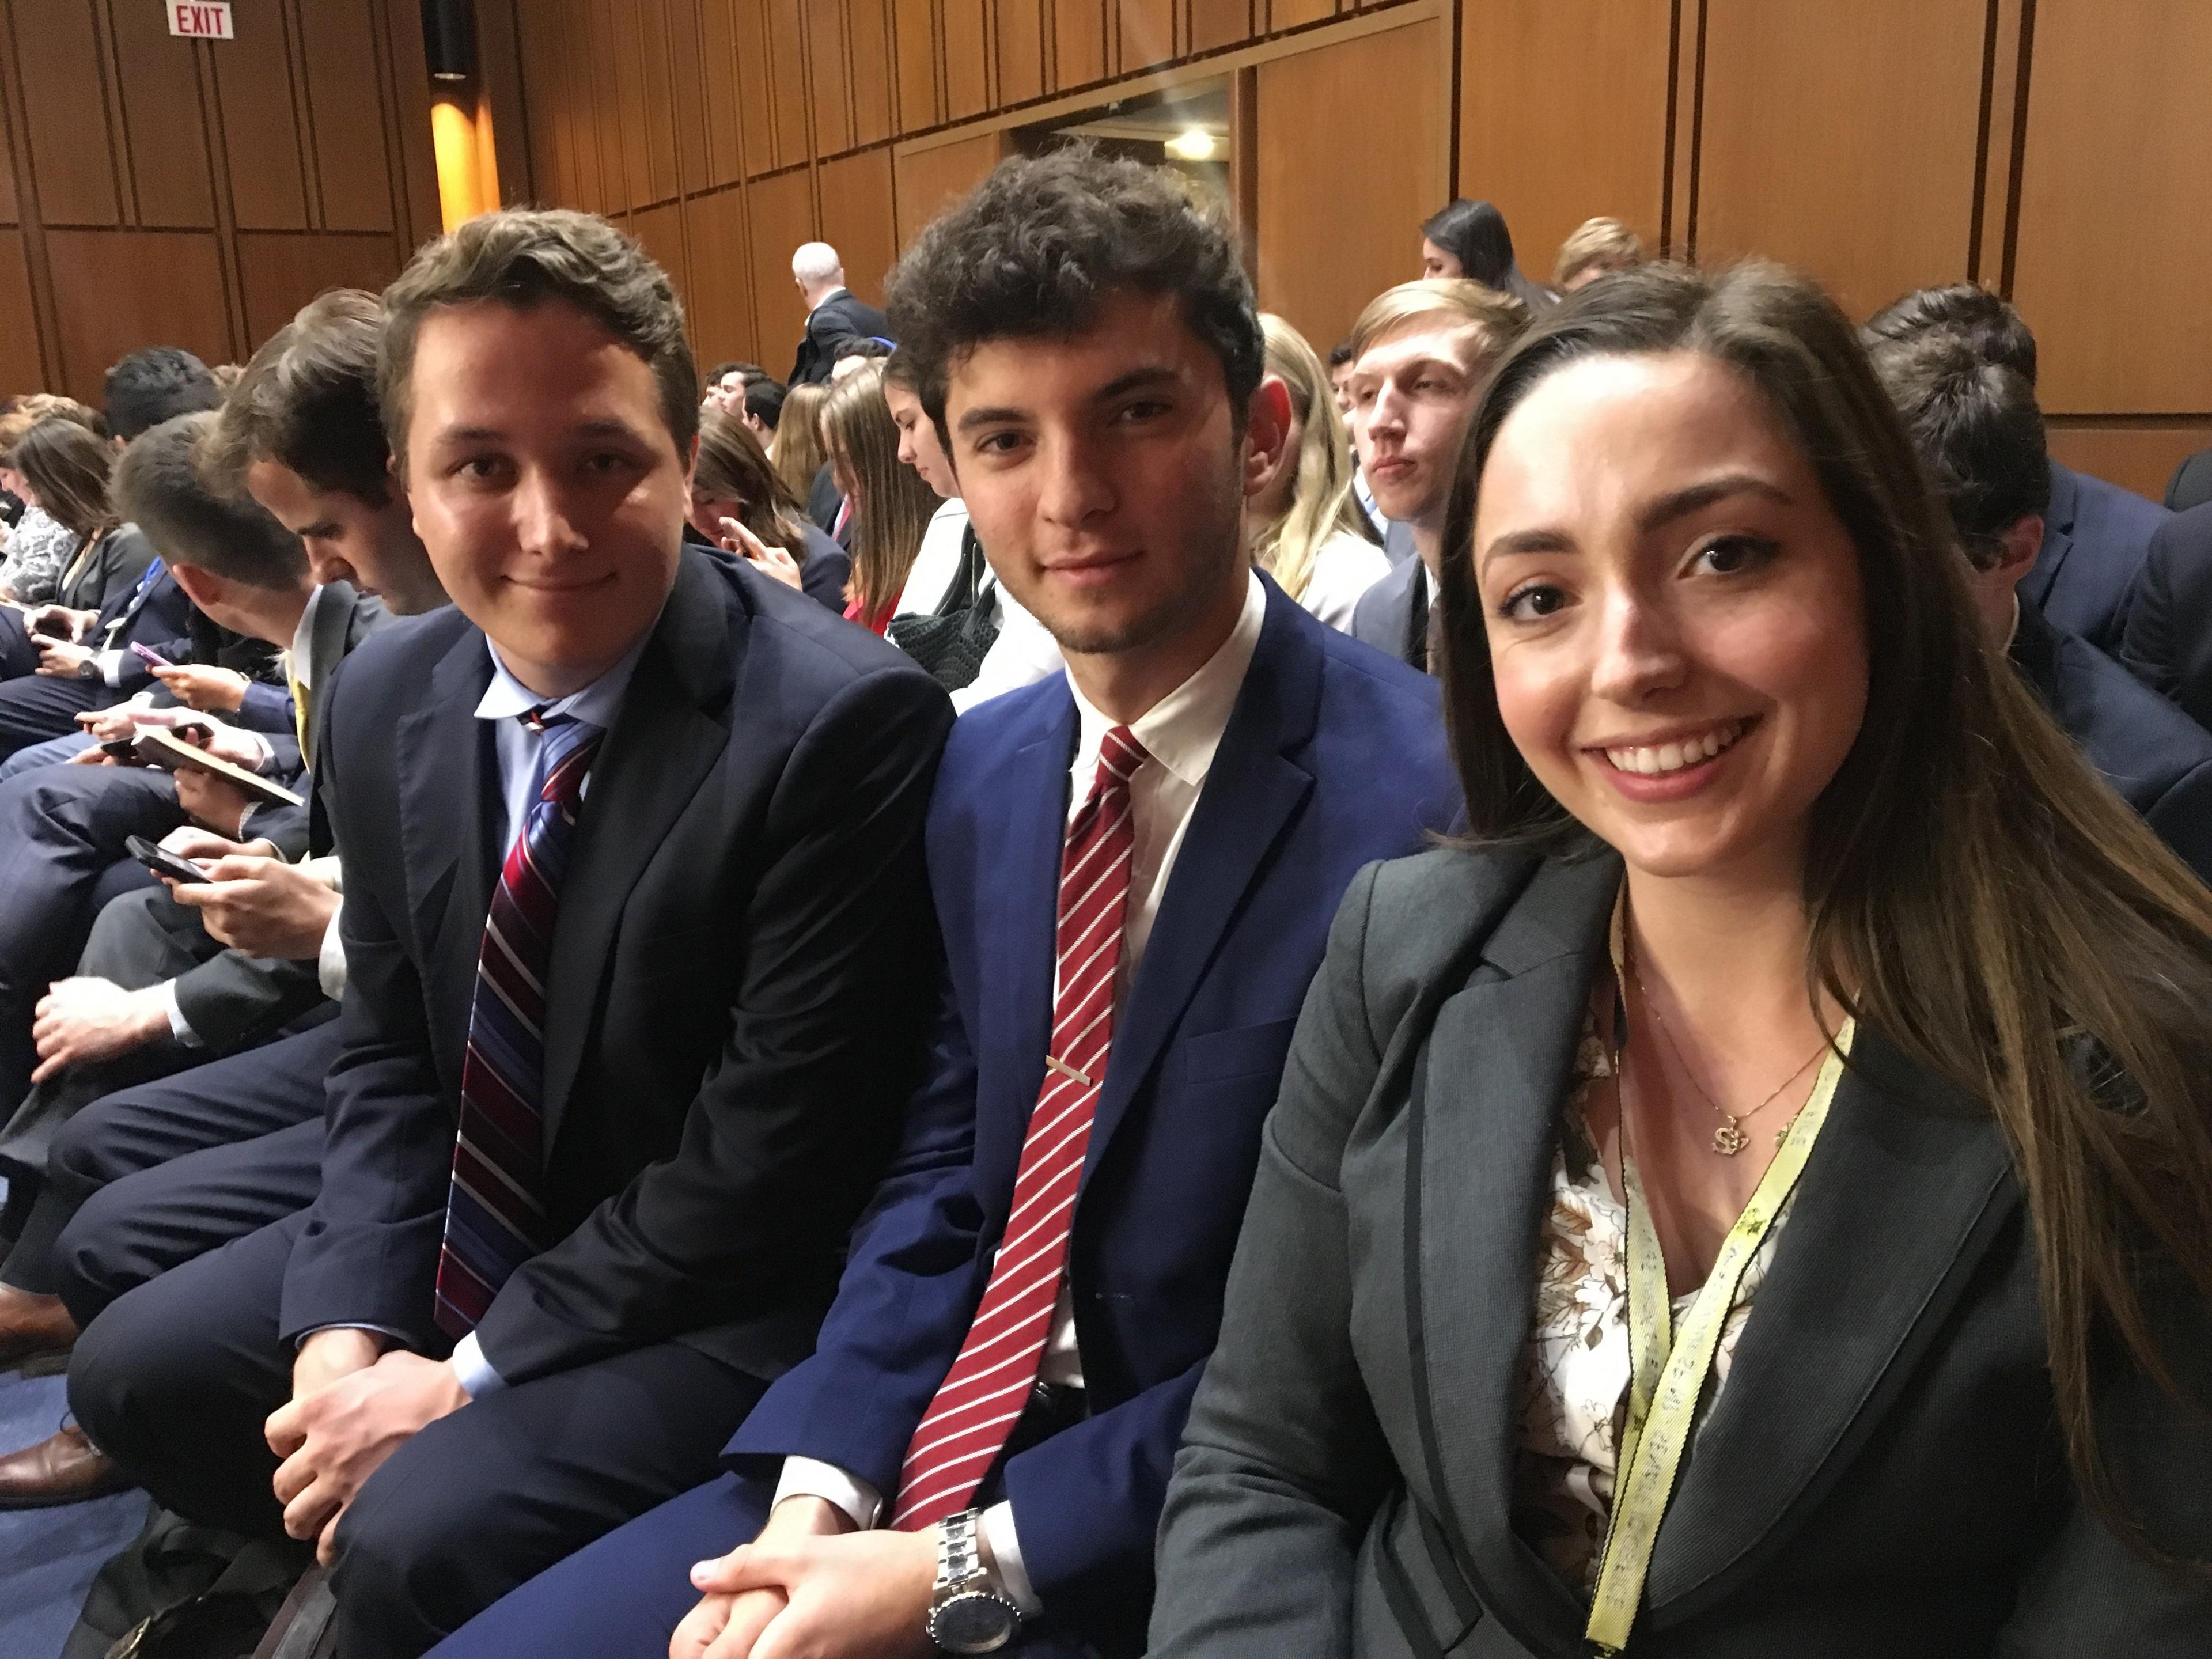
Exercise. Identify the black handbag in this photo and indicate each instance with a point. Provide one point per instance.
(952, 640)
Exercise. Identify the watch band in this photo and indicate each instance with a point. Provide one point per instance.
(968, 1613)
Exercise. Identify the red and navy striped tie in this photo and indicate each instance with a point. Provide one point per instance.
(495, 1213)
(982, 1397)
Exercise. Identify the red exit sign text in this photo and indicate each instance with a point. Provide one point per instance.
(200, 20)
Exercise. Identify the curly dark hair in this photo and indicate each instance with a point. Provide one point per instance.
(1993, 327)
(1040, 243)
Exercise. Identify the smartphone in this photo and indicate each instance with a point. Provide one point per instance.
(161, 861)
(123, 749)
(52, 627)
(151, 657)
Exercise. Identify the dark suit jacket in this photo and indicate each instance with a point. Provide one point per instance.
(2095, 535)
(107, 577)
(2168, 644)
(1880, 1476)
(826, 569)
(1393, 616)
(2157, 759)
(1332, 756)
(233, 999)
(739, 986)
(2192, 483)
(840, 315)
(822, 500)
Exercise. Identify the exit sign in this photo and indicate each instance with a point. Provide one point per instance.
(200, 20)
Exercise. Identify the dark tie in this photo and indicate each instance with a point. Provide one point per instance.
(982, 1397)
(495, 1211)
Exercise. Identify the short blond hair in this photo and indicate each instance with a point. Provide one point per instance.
(1450, 300)
(1606, 243)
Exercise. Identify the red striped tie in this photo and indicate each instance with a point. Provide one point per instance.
(982, 1397)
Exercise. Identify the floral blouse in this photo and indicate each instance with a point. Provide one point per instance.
(38, 552)
(1574, 1399)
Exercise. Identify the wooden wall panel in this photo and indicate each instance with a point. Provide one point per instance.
(1216, 23)
(260, 131)
(659, 231)
(282, 272)
(621, 102)
(660, 103)
(158, 92)
(756, 99)
(65, 98)
(1842, 140)
(2114, 227)
(1020, 27)
(8, 215)
(965, 30)
(1548, 162)
(1293, 14)
(1079, 43)
(787, 60)
(915, 48)
(2138, 458)
(20, 368)
(354, 176)
(499, 50)
(154, 287)
(1334, 228)
(925, 182)
(828, 78)
(868, 32)
(719, 302)
(780, 212)
(857, 219)
(1146, 32)
(407, 129)
(722, 91)
(688, 83)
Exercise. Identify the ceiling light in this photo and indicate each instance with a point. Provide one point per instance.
(1191, 144)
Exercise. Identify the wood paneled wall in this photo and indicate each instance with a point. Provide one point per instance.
(158, 191)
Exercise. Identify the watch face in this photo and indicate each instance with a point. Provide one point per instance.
(972, 1623)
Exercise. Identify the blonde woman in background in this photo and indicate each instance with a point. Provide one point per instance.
(1305, 529)
(798, 451)
(892, 505)
(1592, 249)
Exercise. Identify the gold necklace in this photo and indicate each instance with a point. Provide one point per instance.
(1729, 1139)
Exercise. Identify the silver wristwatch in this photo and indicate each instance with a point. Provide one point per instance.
(967, 1613)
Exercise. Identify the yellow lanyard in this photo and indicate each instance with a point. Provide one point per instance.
(1667, 1377)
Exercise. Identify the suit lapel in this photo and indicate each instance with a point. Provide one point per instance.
(1483, 1116)
(1252, 791)
(1906, 1188)
(444, 774)
(327, 644)
(671, 730)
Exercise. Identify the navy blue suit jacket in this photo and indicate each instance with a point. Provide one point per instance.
(2155, 757)
(1333, 756)
(2094, 537)
(2169, 642)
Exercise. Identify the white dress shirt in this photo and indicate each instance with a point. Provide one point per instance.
(936, 562)
(1345, 566)
(1180, 734)
(516, 745)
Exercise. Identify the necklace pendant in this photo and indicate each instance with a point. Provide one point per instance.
(1729, 1141)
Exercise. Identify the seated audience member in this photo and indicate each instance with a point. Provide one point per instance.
(1422, 353)
(1340, 376)
(1001, 1382)
(1732, 1026)
(148, 1176)
(889, 505)
(1975, 425)
(2094, 533)
(760, 408)
(1306, 527)
(2167, 641)
(606, 1238)
(733, 484)
(1469, 240)
(157, 384)
(835, 314)
(801, 459)
(72, 655)
(1022, 651)
(39, 547)
(1592, 249)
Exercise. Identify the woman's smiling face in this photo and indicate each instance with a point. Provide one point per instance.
(1675, 614)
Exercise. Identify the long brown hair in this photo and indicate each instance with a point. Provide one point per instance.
(69, 468)
(797, 450)
(1975, 892)
(891, 503)
(733, 466)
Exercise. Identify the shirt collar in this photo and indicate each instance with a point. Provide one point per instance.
(1182, 730)
(509, 698)
(303, 638)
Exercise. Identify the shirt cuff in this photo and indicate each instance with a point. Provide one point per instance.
(180, 1027)
(998, 1529)
(805, 1477)
(111, 668)
(330, 964)
(400, 1339)
(473, 1370)
(268, 750)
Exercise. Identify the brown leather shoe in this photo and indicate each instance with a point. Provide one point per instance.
(32, 1325)
(68, 1468)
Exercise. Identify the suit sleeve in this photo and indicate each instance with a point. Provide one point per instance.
(1282, 1463)
(266, 708)
(368, 1253)
(235, 1000)
(782, 1144)
(2147, 647)
(909, 1291)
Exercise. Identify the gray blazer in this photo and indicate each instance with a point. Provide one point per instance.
(1880, 1477)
